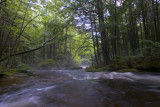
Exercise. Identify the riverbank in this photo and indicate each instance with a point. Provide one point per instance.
(109, 68)
(123, 67)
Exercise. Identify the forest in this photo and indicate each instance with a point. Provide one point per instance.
(79, 53)
(118, 33)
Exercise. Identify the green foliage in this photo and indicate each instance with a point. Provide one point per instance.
(90, 69)
(149, 57)
(149, 66)
(60, 57)
(47, 63)
(86, 61)
(34, 22)
(128, 70)
(77, 59)
(97, 69)
(25, 68)
(150, 52)
(125, 33)
(8, 71)
(75, 67)
(130, 61)
(118, 63)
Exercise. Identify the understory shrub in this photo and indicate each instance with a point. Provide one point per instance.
(7, 71)
(148, 57)
(25, 68)
(47, 63)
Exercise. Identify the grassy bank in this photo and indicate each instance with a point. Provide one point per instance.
(22, 68)
(146, 59)
(128, 64)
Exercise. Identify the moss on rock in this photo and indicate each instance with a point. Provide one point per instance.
(9, 71)
(47, 63)
(96, 69)
(128, 70)
(75, 67)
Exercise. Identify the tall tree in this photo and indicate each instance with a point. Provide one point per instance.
(104, 36)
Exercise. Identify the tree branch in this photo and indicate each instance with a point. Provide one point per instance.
(78, 49)
(30, 22)
(43, 44)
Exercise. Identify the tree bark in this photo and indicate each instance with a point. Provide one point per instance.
(93, 39)
(144, 20)
(104, 38)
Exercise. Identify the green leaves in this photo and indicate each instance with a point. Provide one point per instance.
(29, 24)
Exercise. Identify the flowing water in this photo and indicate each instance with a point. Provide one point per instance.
(77, 88)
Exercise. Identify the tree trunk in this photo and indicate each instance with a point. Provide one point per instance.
(93, 39)
(104, 38)
(115, 48)
(157, 18)
(144, 20)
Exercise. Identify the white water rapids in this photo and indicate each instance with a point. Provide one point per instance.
(77, 88)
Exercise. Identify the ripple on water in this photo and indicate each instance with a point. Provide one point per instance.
(81, 75)
(109, 89)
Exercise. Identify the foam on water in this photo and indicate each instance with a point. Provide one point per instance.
(24, 98)
(82, 75)
(40, 93)
(45, 88)
(22, 102)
